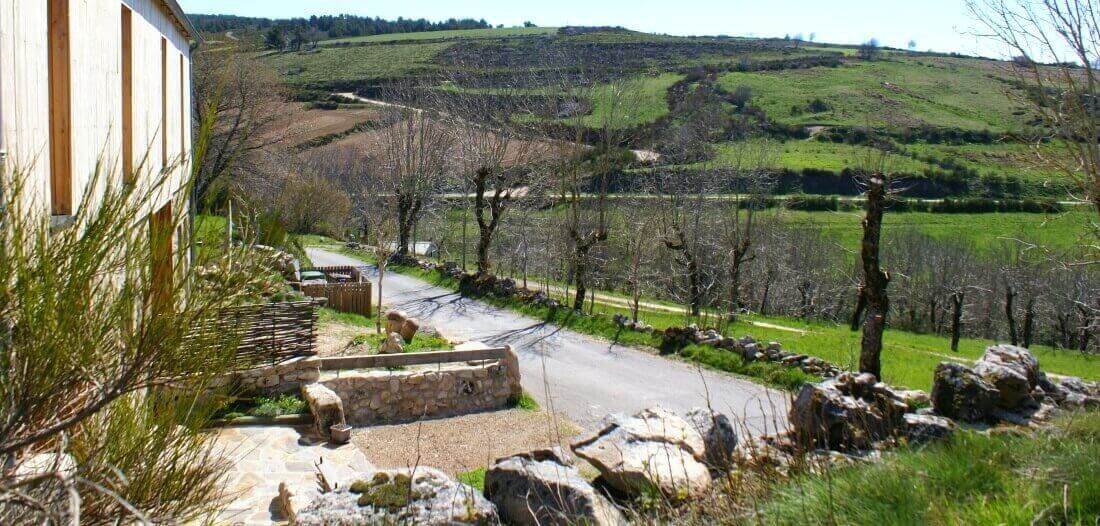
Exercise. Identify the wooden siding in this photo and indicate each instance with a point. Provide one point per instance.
(96, 97)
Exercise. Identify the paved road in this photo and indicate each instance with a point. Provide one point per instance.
(578, 375)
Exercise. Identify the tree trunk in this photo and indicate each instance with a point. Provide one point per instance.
(580, 267)
(956, 319)
(1010, 315)
(875, 281)
(1029, 321)
(764, 297)
(857, 314)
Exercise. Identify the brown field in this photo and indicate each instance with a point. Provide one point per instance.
(299, 125)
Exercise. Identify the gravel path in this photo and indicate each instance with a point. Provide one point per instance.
(580, 376)
(462, 443)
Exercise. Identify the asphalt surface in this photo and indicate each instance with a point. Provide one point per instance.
(580, 376)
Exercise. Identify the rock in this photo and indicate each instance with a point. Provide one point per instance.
(961, 394)
(394, 344)
(654, 449)
(927, 428)
(1074, 385)
(823, 416)
(394, 320)
(400, 496)
(1012, 385)
(326, 407)
(538, 488)
(1018, 359)
(409, 328)
(719, 438)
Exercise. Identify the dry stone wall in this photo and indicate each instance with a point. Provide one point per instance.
(373, 396)
(284, 377)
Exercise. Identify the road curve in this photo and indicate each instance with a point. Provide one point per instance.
(577, 375)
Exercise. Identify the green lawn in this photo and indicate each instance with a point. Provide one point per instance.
(646, 103)
(449, 35)
(949, 92)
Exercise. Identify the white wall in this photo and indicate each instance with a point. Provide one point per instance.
(95, 28)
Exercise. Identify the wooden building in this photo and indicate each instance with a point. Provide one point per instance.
(89, 85)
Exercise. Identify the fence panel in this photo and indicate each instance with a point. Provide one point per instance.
(266, 333)
(344, 297)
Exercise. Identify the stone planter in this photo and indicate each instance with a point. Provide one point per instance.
(339, 433)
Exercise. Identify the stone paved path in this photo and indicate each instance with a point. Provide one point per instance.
(262, 457)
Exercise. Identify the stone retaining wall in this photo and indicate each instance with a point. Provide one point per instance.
(373, 396)
(284, 377)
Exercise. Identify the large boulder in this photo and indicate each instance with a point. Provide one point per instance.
(543, 487)
(719, 437)
(394, 344)
(654, 449)
(400, 496)
(844, 413)
(962, 394)
(1019, 359)
(326, 407)
(395, 319)
(409, 328)
(1012, 385)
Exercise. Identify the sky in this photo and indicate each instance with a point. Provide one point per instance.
(939, 25)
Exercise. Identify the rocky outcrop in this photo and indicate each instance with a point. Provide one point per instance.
(544, 488)
(1005, 384)
(420, 496)
(962, 394)
(749, 349)
(719, 437)
(654, 449)
(848, 412)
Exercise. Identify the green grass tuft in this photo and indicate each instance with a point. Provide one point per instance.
(525, 402)
(474, 478)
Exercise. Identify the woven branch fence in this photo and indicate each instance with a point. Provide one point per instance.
(267, 333)
(344, 297)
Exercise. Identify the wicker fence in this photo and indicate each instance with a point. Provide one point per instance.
(344, 297)
(267, 333)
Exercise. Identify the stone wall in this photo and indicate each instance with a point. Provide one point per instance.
(373, 396)
(284, 377)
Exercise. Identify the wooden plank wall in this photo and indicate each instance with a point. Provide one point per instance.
(343, 297)
(96, 101)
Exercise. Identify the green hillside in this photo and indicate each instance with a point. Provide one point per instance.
(952, 120)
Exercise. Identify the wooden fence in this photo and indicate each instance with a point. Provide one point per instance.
(266, 333)
(344, 297)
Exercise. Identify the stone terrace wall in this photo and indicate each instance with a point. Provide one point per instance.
(284, 377)
(373, 396)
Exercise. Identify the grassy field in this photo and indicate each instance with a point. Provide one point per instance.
(648, 105)
(908, 360)
(974, 478)
(357, 63)
(1018, 160)
(957, 93)
(449, 35)
(801, 154)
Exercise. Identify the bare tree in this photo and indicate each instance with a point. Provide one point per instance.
(414, 152)
(752, 186)
(244, 101)
(872, 291)
(497, 155)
